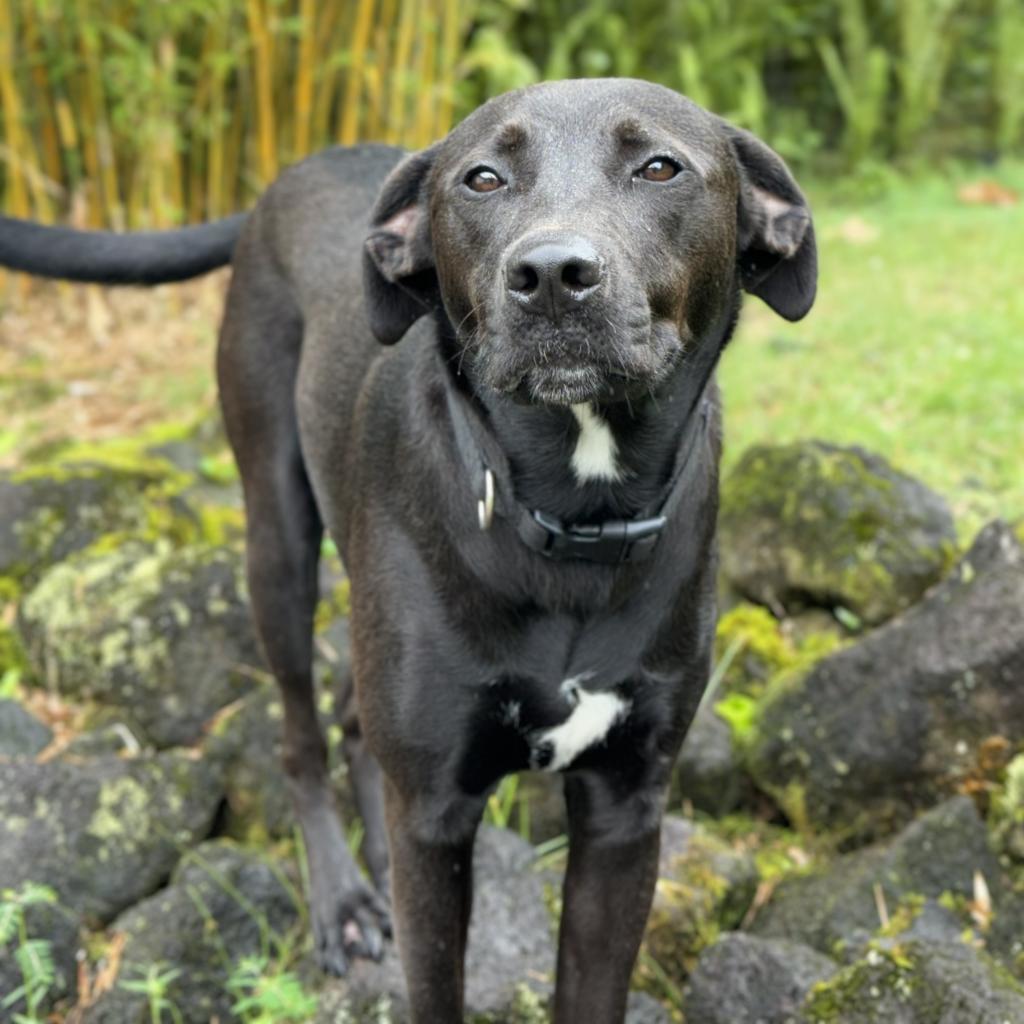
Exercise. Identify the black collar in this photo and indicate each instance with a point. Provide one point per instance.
(611, 542)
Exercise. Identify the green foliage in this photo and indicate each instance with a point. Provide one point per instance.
(33, 956)
(267, 994)
(154, 981)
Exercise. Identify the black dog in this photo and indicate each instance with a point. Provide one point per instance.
(524, 491)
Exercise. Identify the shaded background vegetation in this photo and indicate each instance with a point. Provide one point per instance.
(151, 112)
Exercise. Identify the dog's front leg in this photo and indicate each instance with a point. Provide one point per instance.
(432, 896)
(609, 884)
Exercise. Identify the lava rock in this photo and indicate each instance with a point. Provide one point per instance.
(888, 725)
(704, 887)
(917, 982)
(813, 523)
(838, 906)
(223, 904)
(743, 979)
(103, 834)
(710, 771)
(160, 637)
(21, 734)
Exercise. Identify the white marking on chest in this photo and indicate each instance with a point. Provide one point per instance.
(589, 722)
(595, 454)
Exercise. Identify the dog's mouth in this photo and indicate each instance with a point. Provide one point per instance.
(570, 384)
(569, 367)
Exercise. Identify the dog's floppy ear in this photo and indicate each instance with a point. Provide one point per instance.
(778, 259)
(399, 281)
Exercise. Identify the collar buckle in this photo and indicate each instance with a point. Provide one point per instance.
(611, 542)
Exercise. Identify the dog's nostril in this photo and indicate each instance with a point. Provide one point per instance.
(523, 278)
(580, 274)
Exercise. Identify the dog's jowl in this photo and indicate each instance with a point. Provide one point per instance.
(488, 370)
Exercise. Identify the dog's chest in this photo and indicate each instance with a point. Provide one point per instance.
(519, 723)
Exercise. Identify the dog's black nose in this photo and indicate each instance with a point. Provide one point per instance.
(553, 277)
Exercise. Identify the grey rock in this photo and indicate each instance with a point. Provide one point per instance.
(743, 979)
(837, 906)
(920, 983)
(813, 523)
(160, 637)
(104, 833)
(704, 886)
(21, 734)
(223, 904)
(710, 772)
(885, 727)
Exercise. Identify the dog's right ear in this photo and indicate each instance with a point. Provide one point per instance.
(399, 279)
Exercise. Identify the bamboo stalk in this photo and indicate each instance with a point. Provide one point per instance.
(304, 77)
(263, 54)
(354, 79)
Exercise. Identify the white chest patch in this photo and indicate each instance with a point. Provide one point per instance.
(589, 723)
(596, 454)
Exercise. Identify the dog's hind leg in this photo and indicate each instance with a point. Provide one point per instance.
(257, 367)
(609, 883)
(367, 783)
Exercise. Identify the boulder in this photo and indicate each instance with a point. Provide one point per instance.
(704, 887)
(743, 979)
(21, 734)
(160, 637)
(710, 772)
(511, 951)
(50, 511)
(890, 724)
(224, 905)
(811, 523)
(105, 833)
(917, 982)
(842, 906)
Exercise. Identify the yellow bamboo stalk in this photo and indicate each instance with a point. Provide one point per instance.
(422, 131)
(399, 71)
(10, 103)
(451, 35)
(263, 70)
(376, 127)
(50, 143)
(331, 26)
(354, 79)
(304, 77)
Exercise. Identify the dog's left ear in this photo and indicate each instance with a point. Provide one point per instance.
(399, 279)
(778, 259)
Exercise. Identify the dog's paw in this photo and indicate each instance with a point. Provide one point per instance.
(354, 923)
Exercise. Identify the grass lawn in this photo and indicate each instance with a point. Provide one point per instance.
(914, 349)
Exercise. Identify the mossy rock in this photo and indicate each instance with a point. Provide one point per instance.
(223, 904)
(893, 723)
(815, 524)
(743, 979)
(161, 637)
(704, 888)
(917, 982)
(104, 833)
(837, 907)
(52, 510)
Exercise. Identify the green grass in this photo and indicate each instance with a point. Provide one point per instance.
(914, 349)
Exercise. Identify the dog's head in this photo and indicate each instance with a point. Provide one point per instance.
(582, 235)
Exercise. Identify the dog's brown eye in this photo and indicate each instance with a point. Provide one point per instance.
(483, 179)
(659, 169)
